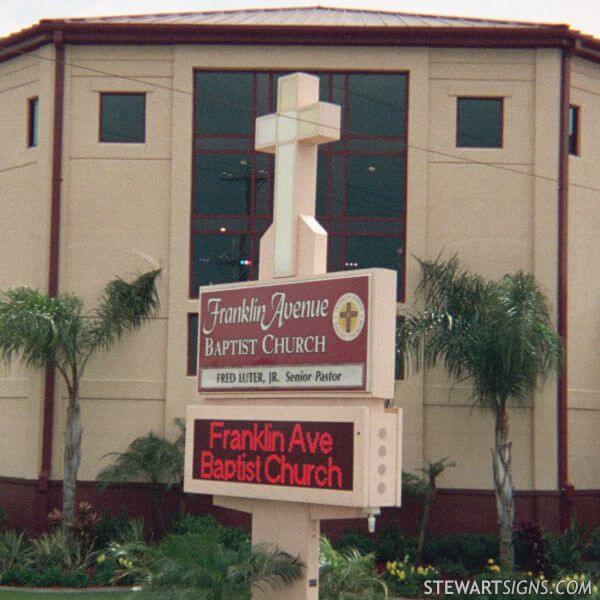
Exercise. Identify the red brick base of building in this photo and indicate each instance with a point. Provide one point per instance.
(453, 510)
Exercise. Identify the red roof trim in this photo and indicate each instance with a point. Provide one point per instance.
(453, 36)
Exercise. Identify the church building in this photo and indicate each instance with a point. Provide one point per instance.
(127, 143)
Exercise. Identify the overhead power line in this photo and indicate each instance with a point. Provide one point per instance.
(228, 102)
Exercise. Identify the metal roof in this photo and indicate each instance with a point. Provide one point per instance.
(314, 16)
(314, 25)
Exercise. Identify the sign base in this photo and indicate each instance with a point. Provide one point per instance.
(295, 528)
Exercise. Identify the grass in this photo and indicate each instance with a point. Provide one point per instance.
(69, 596)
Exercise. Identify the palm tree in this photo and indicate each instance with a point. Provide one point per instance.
(199, 566)
(496, 334)
(349, 575)
(425, 486)
(152, 459)
(57, 332)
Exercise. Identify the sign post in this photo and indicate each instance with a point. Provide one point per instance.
(294, 369)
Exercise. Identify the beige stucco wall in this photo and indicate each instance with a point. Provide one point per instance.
(584, 282)
(116, 202)
(127, 207)
(24, 234)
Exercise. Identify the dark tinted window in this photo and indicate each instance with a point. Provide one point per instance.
(192, 366)
(220, 257)
(479, 123)
(364, 251)
(375, 186)
(222, 184)
(574, 130)
(33, 122)
(377, 104)
(224, 103)
(123, 118)
(399, 362)
(361, 183)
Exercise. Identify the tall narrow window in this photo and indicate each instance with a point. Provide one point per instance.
(192, 357)
(361, 184)
(33, 122)
(574, 130)
(123, 118)
(479, 122)
(399, 357)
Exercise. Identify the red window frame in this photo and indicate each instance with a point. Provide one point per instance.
(257, 223)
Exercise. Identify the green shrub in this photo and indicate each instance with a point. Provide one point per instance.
(14, 552)
(392, 545)
(530, 549)
(566, 550)
(406, 580)
(117, 528)
(472, 550)
(357, 540)
(349, 575)
(52, 575)
(452, 569)
(58, 549)
(231, 537)
(197, 566)
(593, 549)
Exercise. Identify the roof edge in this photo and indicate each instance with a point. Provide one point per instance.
(110, 33)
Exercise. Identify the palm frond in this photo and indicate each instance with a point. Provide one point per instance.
(149, 458)
(497, 334)
(348, 574)
(267, 567)
(199, 566)
(39, 329)
(123, 307)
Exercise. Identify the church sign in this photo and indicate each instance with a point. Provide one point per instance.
(294, 369)
(305, 454)
(306, 334)
(289, 453)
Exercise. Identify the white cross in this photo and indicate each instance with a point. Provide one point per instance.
(293, 134)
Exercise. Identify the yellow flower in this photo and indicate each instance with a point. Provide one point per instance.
(101, 559)
(529, 573)
(490, 561)
(595, 589)
(402, 575)
(412, 569)
(420, 570)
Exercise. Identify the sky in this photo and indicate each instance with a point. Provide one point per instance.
(583, 15)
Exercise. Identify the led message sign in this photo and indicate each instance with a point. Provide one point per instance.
(287, 453)
(312, 334)
(312, 454)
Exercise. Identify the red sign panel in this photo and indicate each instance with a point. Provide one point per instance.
(308, 454)
(306, 335)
